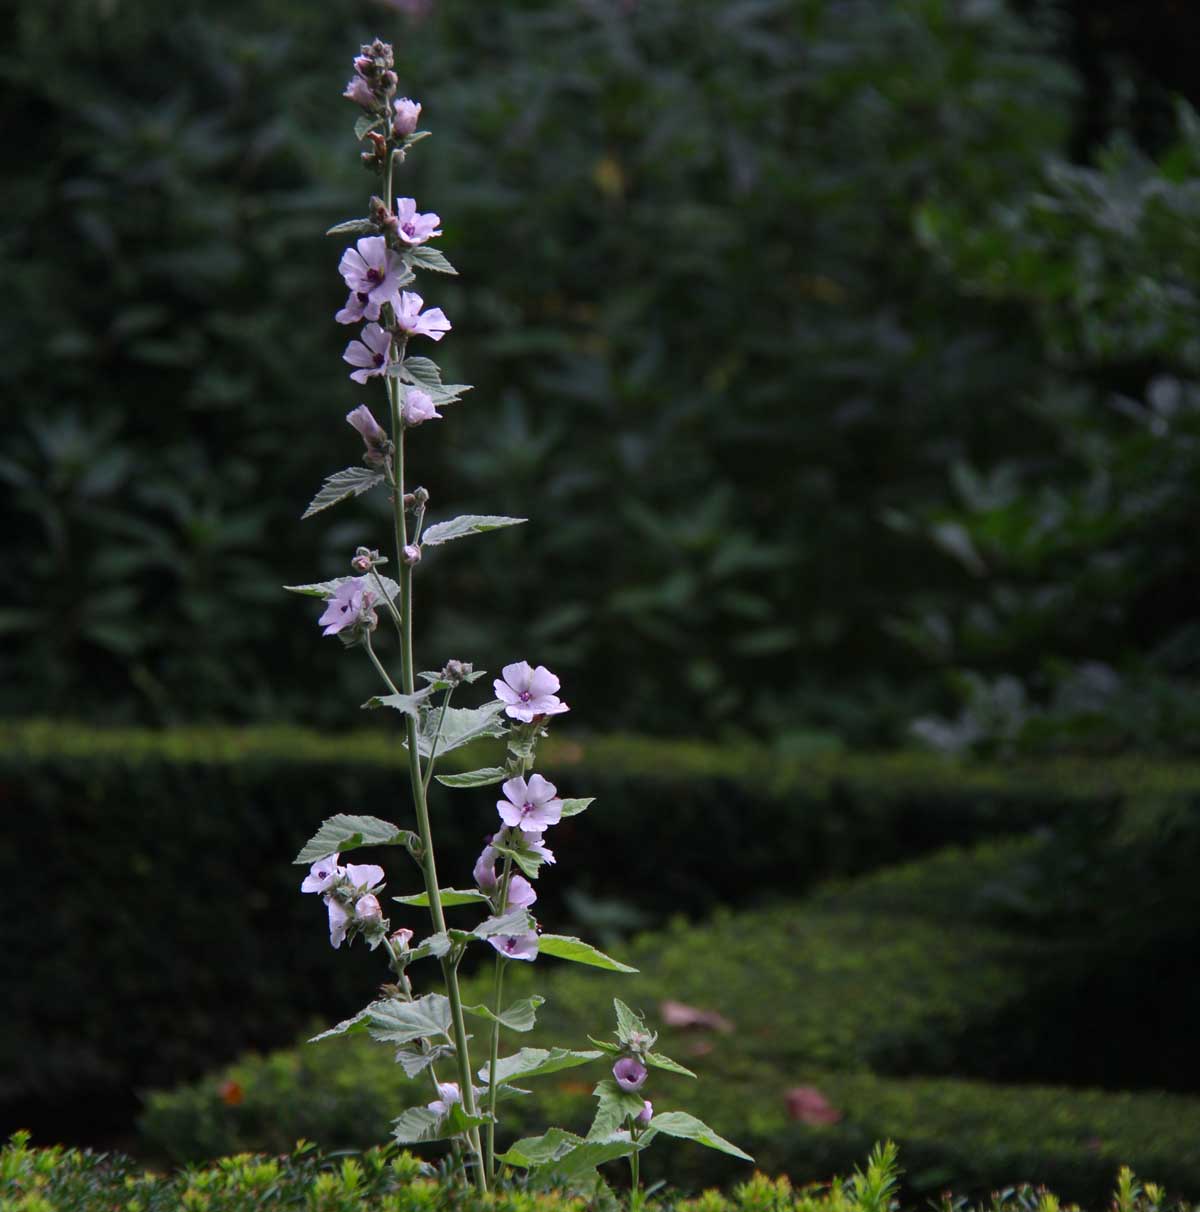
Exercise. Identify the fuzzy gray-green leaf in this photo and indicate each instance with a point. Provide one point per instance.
(345, 832)
(464, 525)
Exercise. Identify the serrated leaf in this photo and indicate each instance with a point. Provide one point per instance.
(611, 1049)
(425, 257)
(461, 726)
(352, 482)
(687, 1127)
(440, 684)
(424, 372)
(615, 1107)
(535, 1062)
(407, 703)
(450, 898)
(355, 1025)
(464, 525)
(628, 1021)
(396, 1022)
(484, 777)
(364, 123)
(575, 807)
(420, 1124)
(565, 1155)
(520, 1016)
(565, 947)
(436, 945)
(352, 227)
(656, 1060)
(326, 589)
(416, 137)
(516, 921)
(343, 832)
(528, 862)
(414, 1062)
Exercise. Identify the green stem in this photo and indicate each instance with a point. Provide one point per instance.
(633, 1190)
(420, 805)
(383, 673)
(390, 604)
(437, 736)
(497, 993)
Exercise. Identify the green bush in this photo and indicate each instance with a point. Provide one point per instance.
(868, 991)
(185, 839)
(66, 1180)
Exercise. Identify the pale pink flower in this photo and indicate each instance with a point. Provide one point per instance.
(520, 892)
(410, 319)
(407, 115)
(630, 1074)
(414, 228)
(448, 1095)
(528, 692)
(339, 920)
(370, 354)
(367, 909)
(418, 407)
(372, 272)
(322, 875)
(350, 604)
(531, 806)
(516, 946)
(646, 1114)
(359, 91)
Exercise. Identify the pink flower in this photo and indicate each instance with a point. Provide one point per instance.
(528, 692)
(516, 946)
(372, 272)
(409, 318)
(370, 354)
(418, 407)
(322, 875)
(531, 806)
(535, 845)
(359, 91)
(485, 869)
(630, 1074)
(339, 921)
(366, 908)
(373, 434)
(363, 877)
(407, 114)
(350, 604)
(448, 1095)
(414, 228)
(401, 938)
(646, 1114)
(520, 892)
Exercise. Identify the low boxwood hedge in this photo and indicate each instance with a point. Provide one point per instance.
(156, 865)
(873, 991)
(68, 1180)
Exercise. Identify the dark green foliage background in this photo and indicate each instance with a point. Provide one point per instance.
(720, 296)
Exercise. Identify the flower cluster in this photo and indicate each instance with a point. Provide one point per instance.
(349, 895)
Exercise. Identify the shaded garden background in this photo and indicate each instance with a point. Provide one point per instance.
(844, 357)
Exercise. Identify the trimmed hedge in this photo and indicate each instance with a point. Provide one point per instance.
(173, 898)
(62, 1180)
(868, 992)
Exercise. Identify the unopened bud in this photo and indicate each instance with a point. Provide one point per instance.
(366, 908)
(365, 558)
(401, 939)
(388, 82)
(407, 114)
(456, 671)
(381, 216)
(420, 496)
(646, 1114)
(409, 500)
(412, 554)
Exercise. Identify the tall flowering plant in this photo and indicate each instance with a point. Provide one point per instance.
(428, 1029)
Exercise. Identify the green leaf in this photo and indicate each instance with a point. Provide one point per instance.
(396, 1022)
(343, 832)
(437, 682)
(364, 123)
(450, 898)
(461, 726)
(520, 1016)
(628, 1021)
(656, 1060)
(616, 1106)
(575, 807)
(420, 1124)
(414, 1062)
(356, 1025)
(408, 703)
(564, 947)
(424, 372)
(605, 1045)
(425, 257)
(326, 589)
(465, 524)
(688, 1127)
(528, 862)
(534, 1062)
(436, 945)
(352, 482)
(484, 777)
(565, 1154)
(352, 227)
(515, 921)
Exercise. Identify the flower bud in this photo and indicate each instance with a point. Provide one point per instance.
(411, 554)
(456, 671)
(365, 558)
(401, 939)
(388, 82)
(366, 908)
(407, 114)
(359, 91)
(421, 496)
(630, 1074)
(646, 1114)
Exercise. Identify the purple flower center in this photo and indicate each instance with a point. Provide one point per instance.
(363, 297)
(379, 359)
(527, 807)
(373, 275)
(525, 696)
(510, 945)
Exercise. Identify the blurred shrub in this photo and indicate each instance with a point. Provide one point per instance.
(1073, 622)
(709, 347)
(873, 988)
